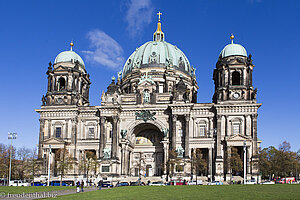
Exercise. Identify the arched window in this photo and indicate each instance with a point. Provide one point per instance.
(62, 83)
(236, 78)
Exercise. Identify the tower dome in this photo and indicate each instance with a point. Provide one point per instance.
(233, 50)
(69, 56)
(158, 53)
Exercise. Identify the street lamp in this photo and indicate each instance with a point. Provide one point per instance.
(244, 145)
(11, 137)
(49, 162)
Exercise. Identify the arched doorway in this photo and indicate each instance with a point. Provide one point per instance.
(148, 151)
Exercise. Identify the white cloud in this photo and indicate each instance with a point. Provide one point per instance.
(104, 50)
(140, 13)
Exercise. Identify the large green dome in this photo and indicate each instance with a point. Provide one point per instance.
(157, 54)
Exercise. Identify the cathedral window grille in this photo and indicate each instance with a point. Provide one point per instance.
(236, 129)
(180, 132)
(202, 131)
(91, 133)
(236, 78)
(105, 169)
(58, 132)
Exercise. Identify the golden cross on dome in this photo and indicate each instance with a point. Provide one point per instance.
(159, 14)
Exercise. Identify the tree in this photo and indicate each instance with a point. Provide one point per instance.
(171, 162)
(236, 163)
(63, 162)
(279, 162)
(88, 163)
(23, 154)
(199, 164)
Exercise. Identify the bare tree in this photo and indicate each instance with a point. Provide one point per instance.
(23, 154)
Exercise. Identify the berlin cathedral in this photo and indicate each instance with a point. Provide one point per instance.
(149, 117)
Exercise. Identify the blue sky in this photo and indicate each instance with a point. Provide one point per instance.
(105, 33)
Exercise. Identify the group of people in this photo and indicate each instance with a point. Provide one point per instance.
(79, 186)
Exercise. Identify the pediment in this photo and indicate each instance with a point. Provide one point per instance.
(54, 141)
(146, 83)
(237, 138)
(60, 68)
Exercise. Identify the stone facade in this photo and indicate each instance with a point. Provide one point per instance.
(148, 112)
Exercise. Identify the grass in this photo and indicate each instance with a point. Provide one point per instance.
(31, 189)
(193, 192)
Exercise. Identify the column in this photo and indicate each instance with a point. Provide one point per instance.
(210, 163)
(254, 134)
(219, 129)
(174, 132)
(41, 138)
(166, 148)
(102, 137)
(115, 137)
(228, 159)
(187, 137)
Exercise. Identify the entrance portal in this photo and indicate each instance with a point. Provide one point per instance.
(148, 150)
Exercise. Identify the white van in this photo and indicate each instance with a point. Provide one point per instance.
(18, 183)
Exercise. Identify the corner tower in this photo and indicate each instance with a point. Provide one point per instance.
(68, 81)
(233, 75)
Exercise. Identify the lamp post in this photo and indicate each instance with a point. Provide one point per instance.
(244, 145)
(49, 162)
(11, 137)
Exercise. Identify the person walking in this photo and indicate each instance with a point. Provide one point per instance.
(100, 184)
(77, 186)
(81, 185)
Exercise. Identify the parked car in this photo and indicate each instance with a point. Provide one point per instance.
(107, 184)
(18, 183)
(123, 184)
(38, 184)
(215, 183)
(250, 182)
(134, 183)
(268, 183)
(287, 180)
(198, 182)
(157, 183)
(57, 183)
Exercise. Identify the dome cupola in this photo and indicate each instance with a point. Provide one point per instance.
(158, 53)
(233, 50)
(69, 56)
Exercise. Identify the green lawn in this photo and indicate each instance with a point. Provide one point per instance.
(193, 192)
(31, 189)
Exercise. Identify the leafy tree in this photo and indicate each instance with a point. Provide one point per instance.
(63, 162)
(199, 164)
(236, 162)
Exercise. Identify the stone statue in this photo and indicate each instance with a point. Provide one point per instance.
(103, 97)
(106, 153)
(165, 131)
(119, 75)
(146, 96)
(44, 100)
(180, 152)
(123, 133)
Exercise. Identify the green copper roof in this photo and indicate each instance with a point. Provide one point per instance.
(158, 54)
(233, 50)
(69, 56)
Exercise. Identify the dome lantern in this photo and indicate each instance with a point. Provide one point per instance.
(158, 35)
